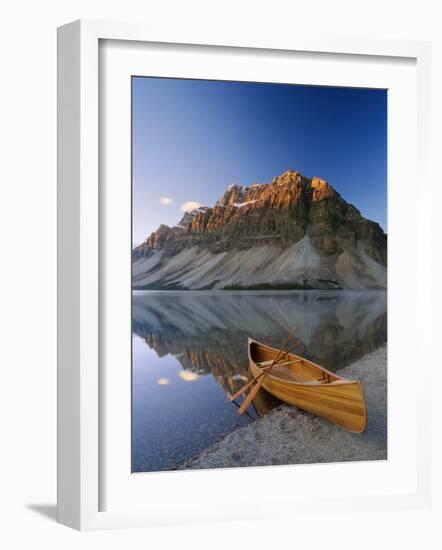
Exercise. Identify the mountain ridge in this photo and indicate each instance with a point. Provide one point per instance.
(294, 232)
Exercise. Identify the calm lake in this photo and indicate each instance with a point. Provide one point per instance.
(190, 354)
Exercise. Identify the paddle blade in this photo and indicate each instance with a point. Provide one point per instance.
(252, 394)
(242, 390)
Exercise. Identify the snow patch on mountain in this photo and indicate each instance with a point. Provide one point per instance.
(241, 204)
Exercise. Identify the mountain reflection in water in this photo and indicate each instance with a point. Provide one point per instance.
(205, 335)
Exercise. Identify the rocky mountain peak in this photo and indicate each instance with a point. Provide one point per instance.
(289, 177)
(292, 215)
(158, 238)
(321, 189)
(188, 217)
(233, 194)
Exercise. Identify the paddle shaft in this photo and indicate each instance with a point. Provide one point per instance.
(259, 383)
(250, 383)
(247, 386)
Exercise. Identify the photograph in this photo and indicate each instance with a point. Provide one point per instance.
(222, 227)
(259, 274)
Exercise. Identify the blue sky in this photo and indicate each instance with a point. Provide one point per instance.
(193, 138)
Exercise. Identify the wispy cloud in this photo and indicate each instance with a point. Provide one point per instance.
(188, 206)
(166, 200)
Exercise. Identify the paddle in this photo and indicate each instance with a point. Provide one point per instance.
(259, 383)
(264, 370)
(247, 386)
(249, 415)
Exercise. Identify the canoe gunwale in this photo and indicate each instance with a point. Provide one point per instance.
(340, 381)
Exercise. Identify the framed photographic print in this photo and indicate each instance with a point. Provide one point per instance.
(232, 227)
(223, 274)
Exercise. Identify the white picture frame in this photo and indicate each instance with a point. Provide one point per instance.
(80, 294)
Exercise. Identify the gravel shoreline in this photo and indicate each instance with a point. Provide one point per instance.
(289, 436)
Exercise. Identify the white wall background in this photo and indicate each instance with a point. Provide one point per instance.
(28, 273)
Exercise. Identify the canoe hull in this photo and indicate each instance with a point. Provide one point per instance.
(341, 401)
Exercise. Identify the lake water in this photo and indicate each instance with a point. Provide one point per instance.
(190, 354)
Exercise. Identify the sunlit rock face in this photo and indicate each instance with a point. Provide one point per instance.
(294, 232)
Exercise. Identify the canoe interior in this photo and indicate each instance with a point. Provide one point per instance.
(303, 384)
(292, 367)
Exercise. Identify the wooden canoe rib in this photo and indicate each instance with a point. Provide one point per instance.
(304, 384)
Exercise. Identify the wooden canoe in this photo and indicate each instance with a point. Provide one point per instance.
(304, 384)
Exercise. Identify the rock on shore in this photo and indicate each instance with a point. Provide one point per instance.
(290, 436)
